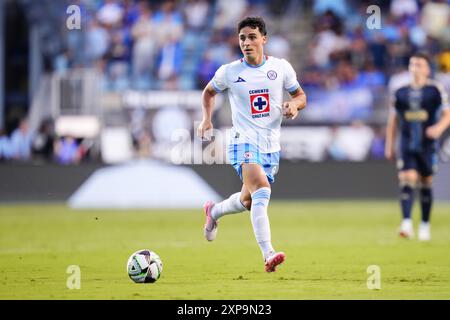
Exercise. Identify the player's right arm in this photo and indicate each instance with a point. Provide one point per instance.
(208, 101)
(391, 129)
(216, 85)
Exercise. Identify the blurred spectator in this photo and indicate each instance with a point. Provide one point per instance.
(378, 143)
(339, 7)
(168, 23)
(131, 11)
(21, 141)
(218, 49)
(207, 69)
(43, 141)
(229, 14)
(144, 49)
(378, 49)
(196, 14)
(443, 73)
(328, 40)
(398, 80)
(5, 146)
(110, 14)
(371, 77)
(400, 8)
(278, 46)
(118, 61)
(61, 63)
(435, 17)
(169, 60)
(97, 41)
(67, 151)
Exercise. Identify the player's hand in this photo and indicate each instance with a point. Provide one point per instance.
(290, 110)
(434, 132)
(204, 127)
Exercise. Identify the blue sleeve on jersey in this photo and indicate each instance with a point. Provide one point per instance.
(294, 87)
(215, 86)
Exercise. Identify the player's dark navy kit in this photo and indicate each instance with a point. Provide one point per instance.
(418, 109)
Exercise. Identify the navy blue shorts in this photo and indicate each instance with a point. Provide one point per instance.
(425, 163)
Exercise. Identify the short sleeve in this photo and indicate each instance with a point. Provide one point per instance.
(219, 81)
(444, 96)
(290, 77)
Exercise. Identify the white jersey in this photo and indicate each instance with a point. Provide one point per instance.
(256, 98)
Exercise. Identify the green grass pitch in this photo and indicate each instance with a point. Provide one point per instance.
(329, 246)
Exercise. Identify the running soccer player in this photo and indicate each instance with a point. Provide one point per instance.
(423, 112)
(255, 86)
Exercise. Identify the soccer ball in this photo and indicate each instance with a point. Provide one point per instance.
(144, 266)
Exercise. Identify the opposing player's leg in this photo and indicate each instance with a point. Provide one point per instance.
(256, 182)
(426, 202)
(427, 166)
(408, 182)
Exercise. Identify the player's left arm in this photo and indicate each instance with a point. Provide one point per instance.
(292, 107)
(436, 130)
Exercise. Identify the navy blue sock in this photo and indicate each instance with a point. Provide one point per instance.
(406, 200)
(426, 201)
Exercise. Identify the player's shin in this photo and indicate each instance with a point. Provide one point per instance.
(426, 202)
(406, 198)
(228, 206)
(260, 220)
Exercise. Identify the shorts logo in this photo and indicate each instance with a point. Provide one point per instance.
(260, 105)
(272, 75)
(248, 155)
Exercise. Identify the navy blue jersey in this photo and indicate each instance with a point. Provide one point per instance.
(417, 110)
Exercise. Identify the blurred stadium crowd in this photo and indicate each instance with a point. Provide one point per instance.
(346, 69)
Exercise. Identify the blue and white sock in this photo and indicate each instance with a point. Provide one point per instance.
(229, 206)
(260, 220)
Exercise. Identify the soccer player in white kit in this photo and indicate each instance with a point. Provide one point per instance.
(255, 86)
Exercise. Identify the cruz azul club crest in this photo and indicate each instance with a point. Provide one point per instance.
(272, 75)
(260, 103)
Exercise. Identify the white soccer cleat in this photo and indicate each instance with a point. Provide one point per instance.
(406, 229)
(273, 260)
(210, 227)
(424, 232)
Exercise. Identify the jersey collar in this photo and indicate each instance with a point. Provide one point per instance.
(251, 66)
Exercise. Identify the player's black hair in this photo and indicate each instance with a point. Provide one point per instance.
(423, 55)
(254, 23)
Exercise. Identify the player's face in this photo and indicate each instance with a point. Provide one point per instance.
(419, 67)
(251, 42)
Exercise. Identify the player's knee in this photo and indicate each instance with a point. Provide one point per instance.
(408, 179)
(247, 203)
(262, 183)
(426, 182)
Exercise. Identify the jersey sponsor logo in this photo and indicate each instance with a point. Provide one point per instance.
(260, 105)
(272, 75)
(416, 115)
(240, 80)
